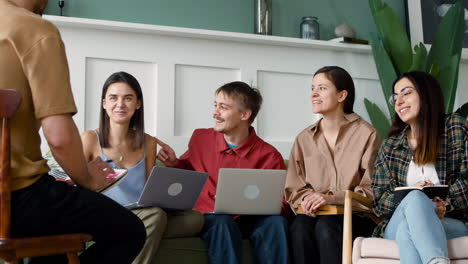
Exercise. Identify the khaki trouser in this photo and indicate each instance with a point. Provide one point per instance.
(158, 225)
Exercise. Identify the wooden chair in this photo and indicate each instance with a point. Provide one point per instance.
(14, 249)
(347, 210)
(348, 222)
(378, 250)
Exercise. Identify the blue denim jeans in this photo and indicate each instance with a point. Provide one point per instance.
(268, 235)
(420, 234)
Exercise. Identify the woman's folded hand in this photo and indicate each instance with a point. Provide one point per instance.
(440, 207)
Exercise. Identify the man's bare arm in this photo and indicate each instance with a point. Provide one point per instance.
(65, 144)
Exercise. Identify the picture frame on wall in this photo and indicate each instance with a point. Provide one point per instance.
(425, 15)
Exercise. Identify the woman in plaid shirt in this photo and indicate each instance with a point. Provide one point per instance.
(424, 147)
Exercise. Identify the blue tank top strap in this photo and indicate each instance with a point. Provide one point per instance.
(104, 157)
(99, 143)
(129, 190)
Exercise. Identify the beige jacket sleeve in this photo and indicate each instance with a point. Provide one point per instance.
(366, 169)
(296, 187)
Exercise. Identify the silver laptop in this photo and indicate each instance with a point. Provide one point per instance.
(171, 188)
(249, 191)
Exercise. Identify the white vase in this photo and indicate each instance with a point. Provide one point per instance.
(344, 30)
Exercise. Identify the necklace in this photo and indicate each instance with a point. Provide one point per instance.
(121, 156)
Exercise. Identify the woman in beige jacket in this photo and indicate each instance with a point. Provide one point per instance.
(335, 154)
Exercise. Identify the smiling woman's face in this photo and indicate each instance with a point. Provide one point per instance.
(324, 96)
(407, 101)
(120, 102)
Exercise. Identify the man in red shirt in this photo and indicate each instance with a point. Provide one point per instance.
(233, 143)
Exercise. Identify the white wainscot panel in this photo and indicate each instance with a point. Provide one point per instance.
(286, 109)
(462, 90)
(97, 72)
(370, 89)
(195, 86)
(281, 67)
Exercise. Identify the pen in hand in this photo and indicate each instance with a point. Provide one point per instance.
(112, 175)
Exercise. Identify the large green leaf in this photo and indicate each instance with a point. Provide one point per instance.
(434, 70)
(387, 74)
(393, 34)
(378, 118)
(446, 52)
(448, 76)
(375, 6)
(419, 58)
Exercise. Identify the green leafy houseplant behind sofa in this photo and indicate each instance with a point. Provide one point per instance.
(393, 56)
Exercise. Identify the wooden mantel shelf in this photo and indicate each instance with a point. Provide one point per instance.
(205, 34)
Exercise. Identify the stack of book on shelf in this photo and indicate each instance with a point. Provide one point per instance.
(350, 40)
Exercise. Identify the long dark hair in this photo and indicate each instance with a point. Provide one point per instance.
(430, 120)
(137, 123)
(343, 82)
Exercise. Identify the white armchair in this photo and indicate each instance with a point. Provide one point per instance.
(383, 251)
(378, 250)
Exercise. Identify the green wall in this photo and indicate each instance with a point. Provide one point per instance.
(230, 15)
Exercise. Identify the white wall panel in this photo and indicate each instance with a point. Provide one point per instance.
(370, 89)
(180, 68)
(462, 90)
(194, 95)
(286, 108)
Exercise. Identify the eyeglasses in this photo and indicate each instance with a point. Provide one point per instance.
(403, 94)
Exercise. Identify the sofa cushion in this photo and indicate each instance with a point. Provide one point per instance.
(378, 248)
(458, 248)
(374, 248)
(191, 250)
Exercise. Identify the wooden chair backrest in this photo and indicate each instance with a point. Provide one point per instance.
(9, 103)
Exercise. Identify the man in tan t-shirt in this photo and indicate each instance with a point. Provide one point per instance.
(34, 63)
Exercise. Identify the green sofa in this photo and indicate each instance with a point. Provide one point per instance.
(188, 250)
(178, 250)
(191, 250)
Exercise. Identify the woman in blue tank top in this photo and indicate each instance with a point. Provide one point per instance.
(121, 140)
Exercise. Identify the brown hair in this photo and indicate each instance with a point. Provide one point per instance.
(249, 98)
(137, 123)
(430, 119)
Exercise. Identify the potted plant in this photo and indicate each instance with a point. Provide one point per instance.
(393, 56)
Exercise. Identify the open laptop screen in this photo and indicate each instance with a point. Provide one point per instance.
(171, 188)
(250, 191)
